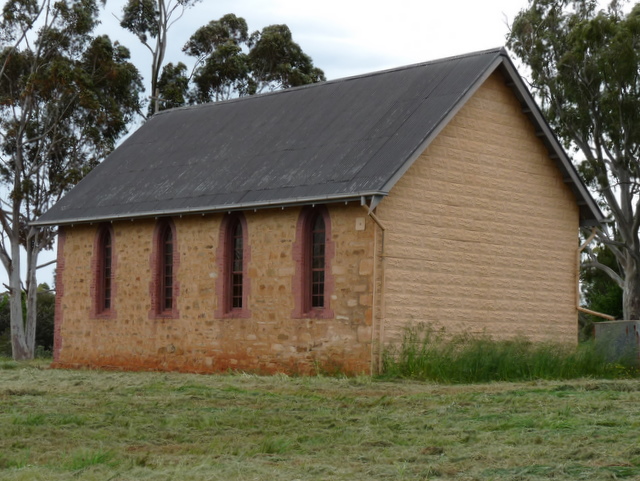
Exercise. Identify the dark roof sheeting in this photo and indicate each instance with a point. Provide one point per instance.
(337, 140)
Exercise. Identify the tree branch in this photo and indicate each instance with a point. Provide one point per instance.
(606, 269)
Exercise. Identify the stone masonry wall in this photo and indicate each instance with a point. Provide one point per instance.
(482, 231)
(270, 340)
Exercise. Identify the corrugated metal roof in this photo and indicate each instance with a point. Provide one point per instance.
(337, 140)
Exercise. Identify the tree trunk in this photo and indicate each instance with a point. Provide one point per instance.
(631, 291)
(32, 289)
(21, 347)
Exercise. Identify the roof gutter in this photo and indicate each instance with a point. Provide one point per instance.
(216, 209)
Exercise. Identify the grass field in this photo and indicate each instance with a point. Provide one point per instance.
(93, 425)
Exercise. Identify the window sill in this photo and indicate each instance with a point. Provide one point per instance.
(173, 314)
(106, 314)
(242, 313)
(315, 313)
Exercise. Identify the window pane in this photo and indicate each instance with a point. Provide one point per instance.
(318, 277)
(318, 224)
(166, 269)
(105, 274)
(235, 255)
(318, 301)
(317, 261)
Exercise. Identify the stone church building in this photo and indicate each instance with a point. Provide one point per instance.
(305, 229)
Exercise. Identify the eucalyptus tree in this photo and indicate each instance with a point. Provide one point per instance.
(598, 292)
(277, 62)
(173, 86)
(221, 64)
(231, 62)
(65, 98)
(150, 21)
(585, 69)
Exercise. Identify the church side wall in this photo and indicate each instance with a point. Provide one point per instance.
(482, 231)
(268, 340)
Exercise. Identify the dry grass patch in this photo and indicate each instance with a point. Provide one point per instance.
(92, 425)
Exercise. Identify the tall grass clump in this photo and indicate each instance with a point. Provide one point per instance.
(427, 354)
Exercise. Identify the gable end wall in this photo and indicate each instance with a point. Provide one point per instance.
(481, 230)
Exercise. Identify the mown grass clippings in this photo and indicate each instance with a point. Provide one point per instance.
(92, 425)
(84, 458)
(6, 365)
(29, 419)
(430, 355)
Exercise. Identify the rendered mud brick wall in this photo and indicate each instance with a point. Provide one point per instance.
(268, 340)
(481, 230)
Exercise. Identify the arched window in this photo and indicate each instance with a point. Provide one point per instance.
(316, 261)
(233, 258)
(313, 251)
(235, 267)
(164, 260)
(166, 269)
(104, 268)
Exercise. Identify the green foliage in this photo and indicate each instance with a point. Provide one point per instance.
(599, 292)
(230, 62)
(83, 459)
(65, 99)
(174, 85)
(429, 355)
(150, 21)
(46, 307)
(221, 65)
(278, 62)
(139, 17)
(46, 303)
(584, 64)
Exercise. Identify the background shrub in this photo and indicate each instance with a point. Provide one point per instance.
(44, 322)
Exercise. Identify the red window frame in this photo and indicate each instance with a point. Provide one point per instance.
(313, 251)
(235, 267)
(164, 259)
(316, 262)
(103, 287)
(106, 256)
(233, 256)
(166, 270)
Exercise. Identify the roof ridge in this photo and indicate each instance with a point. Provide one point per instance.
(496, 50)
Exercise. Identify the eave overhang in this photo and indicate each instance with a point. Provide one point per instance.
(361, 198)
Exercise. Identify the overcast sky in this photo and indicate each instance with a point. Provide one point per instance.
(343, 37)
(348, 37)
